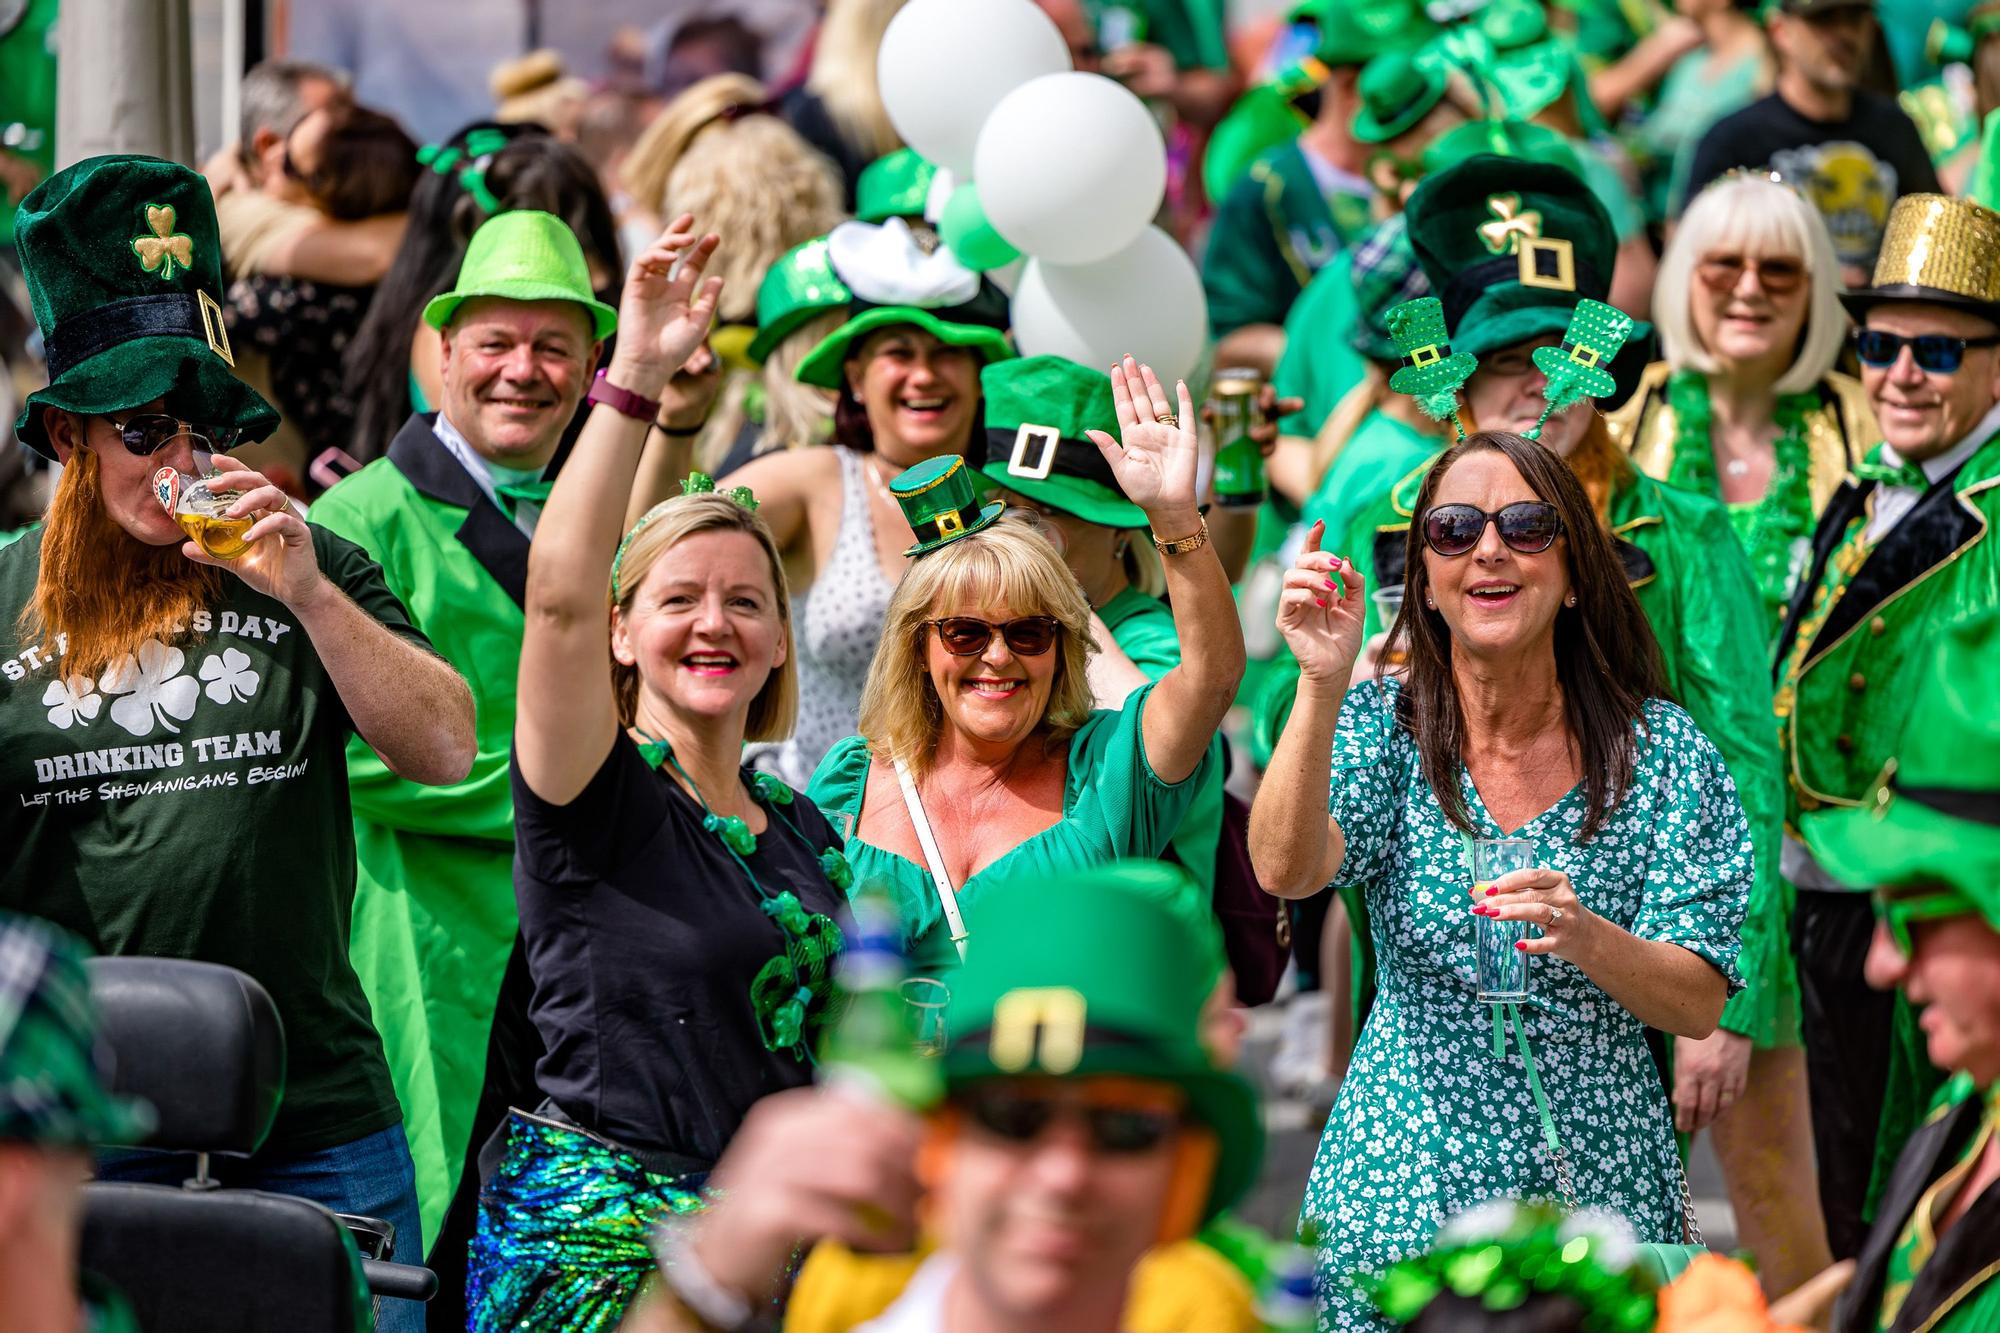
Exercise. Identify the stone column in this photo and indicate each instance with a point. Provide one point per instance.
(123, 82)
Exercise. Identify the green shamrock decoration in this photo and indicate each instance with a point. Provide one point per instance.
(1431, 372)
(1580, 367)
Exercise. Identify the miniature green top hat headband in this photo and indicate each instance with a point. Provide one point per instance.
(1040, 411)
(524, 256)
(1578, 368)
(1431, 372)
(939, 499)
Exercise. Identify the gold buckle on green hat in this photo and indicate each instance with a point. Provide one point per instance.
(213, 327)
(1562, 277)
(1038, 1025)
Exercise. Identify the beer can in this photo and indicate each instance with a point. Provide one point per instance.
(1239, 463)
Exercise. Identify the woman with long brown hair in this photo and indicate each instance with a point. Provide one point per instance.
(1532, 706)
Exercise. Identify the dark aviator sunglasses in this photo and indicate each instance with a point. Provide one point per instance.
(1934, 353)
(1527, 526)
(967, 636)
(150, 432)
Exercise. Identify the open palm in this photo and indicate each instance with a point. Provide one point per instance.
(667, 305)
(1153, 459)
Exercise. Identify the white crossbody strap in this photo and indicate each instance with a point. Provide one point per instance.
(933, 859)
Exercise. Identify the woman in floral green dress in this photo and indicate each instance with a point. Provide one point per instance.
(1531, 707)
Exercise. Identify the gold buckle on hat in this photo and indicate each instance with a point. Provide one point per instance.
(1034, 453)
(1038, 1024)
(949, 524)
(213, 328)
(1564, 254)
(1426, 355)
(1584, 356)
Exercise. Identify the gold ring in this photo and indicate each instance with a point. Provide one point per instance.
(1168, 419)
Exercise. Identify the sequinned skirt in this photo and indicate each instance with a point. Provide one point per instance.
(563, 1230)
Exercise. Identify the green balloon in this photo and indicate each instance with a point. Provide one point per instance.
(971, 237)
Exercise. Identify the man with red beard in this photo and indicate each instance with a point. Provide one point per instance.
(173, 726)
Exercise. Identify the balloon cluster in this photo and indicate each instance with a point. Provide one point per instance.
(1058, 175)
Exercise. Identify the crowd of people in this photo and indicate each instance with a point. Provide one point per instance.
(578, 609)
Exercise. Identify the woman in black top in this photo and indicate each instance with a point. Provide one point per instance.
(676, 912)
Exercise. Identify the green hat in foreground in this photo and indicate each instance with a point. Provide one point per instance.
(1105, 971)
(896, 185)
(1397, 90)
(52, 1085)
(524, 256)
(941, 503)
(124, 273)
(1505, 1253)
(1039, 412)
(800, 285)
(1934, 819)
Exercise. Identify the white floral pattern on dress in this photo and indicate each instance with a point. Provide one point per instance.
(1428, 1122)
(229, 676)
(72, 701)
(154, 690)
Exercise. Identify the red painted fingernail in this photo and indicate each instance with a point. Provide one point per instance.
(1522, 945)
(1482, 911)
(1320, 603)
(1491, 892)
(1331, 584)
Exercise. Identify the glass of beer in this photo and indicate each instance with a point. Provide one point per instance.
(1503, 969)
(203, 513)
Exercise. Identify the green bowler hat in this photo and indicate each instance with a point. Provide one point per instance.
(1039, 413)
(52, 1084)
(800, 285)
(1116, 987)
(939, 498)
(1397, 90)
(524, 256)
(896, 185)
(124, 273)
(1934, 819)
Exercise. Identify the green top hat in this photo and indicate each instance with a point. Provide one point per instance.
(940, 502)
(1580, 368)
(52, 1085)
(1039, 412)
(124, 273)
(1431, 372)
(897, 185)
(524, 256)
(1119, 989)
(1934, 820)
(1397, 90)
(800, 285)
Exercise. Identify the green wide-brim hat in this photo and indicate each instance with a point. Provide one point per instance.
(1103, 971)
(524, 255)
(800, 285)
(940, 500)
(972, 325)
(1397, 90)
(1935, 816)
(1039, 413)
(124, 272)
(895, 185)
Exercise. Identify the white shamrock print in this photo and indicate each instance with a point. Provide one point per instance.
(153, 687)
(229, 676)
(72, 701)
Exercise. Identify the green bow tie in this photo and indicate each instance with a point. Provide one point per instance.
(1902, 474)
(511, 493)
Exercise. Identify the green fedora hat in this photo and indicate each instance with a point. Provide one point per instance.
(524, 256)
(1934, 818)
(1397, 90)
(800, 285)
(124, 274)
(1117, 987)
(53, 1089)
(941, 501)
(1039, 412)
(895, 185)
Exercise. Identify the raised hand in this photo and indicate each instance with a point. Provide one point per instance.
(666, 309)
(1156, 453)
(281, 562)
(1321, 612)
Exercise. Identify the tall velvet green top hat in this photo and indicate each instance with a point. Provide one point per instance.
(897, 277)
(124, 274)
(940, 498)
(1934, 819)
(1039, 412)
(896, 185)
(1118, 988)
(1397, 90)
(52, 1085)
(524, 256)
(800, 285)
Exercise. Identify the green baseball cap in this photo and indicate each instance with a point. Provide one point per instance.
(524, 256)
(53, 1089)
(896, 185)
(1117, 989)
(123, 266)
(800, 285)
(1039, 412)
(1933, 819)
(940, 501)
(1397, 90)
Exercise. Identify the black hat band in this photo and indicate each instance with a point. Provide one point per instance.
(164, 315)
(1468, 285)
(1976, 807)
(1073, 458)
(1432, 353)
(948, 523)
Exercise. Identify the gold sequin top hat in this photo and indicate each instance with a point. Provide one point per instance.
(1936, 249)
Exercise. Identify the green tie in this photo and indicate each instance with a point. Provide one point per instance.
(1902, 474)
(512, 493)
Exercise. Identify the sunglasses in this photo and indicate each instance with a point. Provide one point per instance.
(1935, 353)
(1898, 910)
(967, 636)
(1527, 526)
(1721, 273)
(151, 432)
(1117, 1122)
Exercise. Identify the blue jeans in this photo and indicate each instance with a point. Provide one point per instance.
(372, 1176)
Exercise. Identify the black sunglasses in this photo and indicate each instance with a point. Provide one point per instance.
(1528, 526)
(147, 434)
(967, 636)
(1023, 1117)
(1935, 353)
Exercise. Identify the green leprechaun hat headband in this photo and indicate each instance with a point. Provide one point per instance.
(1432, 373)
(939, 499)
(124, 274)
(1040, 411)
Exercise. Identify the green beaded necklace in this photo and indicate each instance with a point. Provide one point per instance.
(791, 993)
(1776, 530)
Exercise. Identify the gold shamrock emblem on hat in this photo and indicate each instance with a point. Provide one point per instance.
(166, 247)
(1510, 225)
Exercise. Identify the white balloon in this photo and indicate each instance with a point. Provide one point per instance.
(944, 64)
(1145, 300)
(1071, 167)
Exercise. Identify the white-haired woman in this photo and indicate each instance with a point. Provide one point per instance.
(1747, 407)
